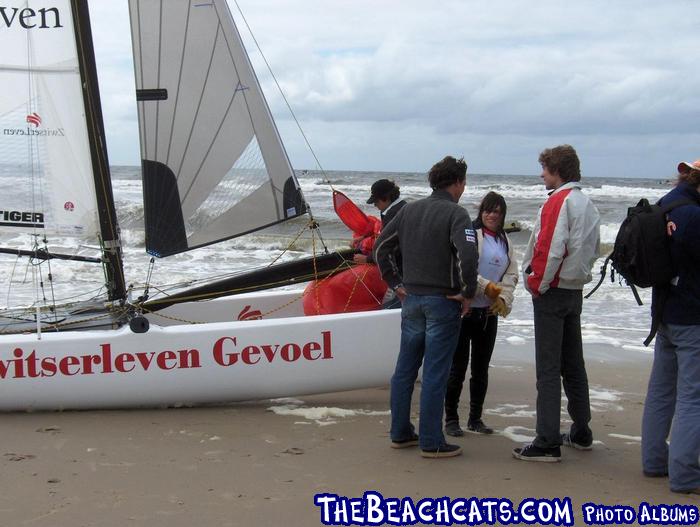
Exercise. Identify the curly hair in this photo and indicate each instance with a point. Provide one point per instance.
(692, 177)
(446, 172)
(394, 194)
(563, 160)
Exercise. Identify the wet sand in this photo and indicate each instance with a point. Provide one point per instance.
(243, 464)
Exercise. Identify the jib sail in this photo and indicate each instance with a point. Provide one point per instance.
(213, 163)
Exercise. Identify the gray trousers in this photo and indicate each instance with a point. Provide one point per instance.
(672, 407)
(559, 357)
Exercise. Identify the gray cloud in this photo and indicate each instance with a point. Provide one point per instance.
(612, 75)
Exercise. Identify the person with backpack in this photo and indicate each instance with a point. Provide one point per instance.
(673, 396)
(560, 254)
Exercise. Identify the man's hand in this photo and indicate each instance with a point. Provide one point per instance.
(466, 303)
(359, 258)
(401, 293)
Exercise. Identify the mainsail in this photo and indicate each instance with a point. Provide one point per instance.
(45, 163)
(54, 171)
(213, 163)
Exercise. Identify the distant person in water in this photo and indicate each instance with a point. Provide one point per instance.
(436, 285)
(498, 276)
(560, 254)
(672, 404)
(384, 194)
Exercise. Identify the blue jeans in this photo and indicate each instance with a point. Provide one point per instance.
(429, 332)
(673, 405)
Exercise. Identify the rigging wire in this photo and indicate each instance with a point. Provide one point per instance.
(9, 284)
(50, 276)
(315, 224)
(289, 107)
(34, 179)
(149, 274)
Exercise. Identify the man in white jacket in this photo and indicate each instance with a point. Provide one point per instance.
(558, 260)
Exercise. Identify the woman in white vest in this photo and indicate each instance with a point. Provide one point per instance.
(498, 275)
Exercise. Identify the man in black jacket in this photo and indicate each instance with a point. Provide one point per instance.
(436, 285)
(384, 195)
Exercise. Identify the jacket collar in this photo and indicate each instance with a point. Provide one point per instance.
(565, 186)
(442, 194)
(395, 202)
(689, 191)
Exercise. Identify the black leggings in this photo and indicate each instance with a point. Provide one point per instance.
(478, 330)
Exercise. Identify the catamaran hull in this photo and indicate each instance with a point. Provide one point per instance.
(214, 362)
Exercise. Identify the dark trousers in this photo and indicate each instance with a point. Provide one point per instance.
(559, 358)
(478, 334)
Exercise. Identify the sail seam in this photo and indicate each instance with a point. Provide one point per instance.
(179, 84)
(199, 103)
(160, 60)
(274, 190)
(142, 116)
(211, 145)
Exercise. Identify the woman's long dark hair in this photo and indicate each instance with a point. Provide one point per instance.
(490, 202)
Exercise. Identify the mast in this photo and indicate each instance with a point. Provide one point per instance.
(109, 229)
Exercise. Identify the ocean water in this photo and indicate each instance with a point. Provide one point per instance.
(610, 317)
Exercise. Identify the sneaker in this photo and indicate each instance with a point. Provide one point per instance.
(478, 426)
(567, 441)
(445, 450)
(661, 474)
(696, 490)
(406, 443)
(453, 429)
(535, 453)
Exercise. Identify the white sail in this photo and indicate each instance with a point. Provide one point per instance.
(213, 163)
(46, 181)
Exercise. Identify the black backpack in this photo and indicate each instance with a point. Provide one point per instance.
(642, 252)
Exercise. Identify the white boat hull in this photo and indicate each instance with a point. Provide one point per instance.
(189, 364)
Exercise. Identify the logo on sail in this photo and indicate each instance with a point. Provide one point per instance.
(28, 18)
(35, 119)
(20, 218)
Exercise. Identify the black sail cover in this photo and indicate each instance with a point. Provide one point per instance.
(214, 166)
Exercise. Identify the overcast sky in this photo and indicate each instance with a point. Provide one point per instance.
(393, 85)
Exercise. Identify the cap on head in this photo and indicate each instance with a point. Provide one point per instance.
(686, 166)
(380, 190)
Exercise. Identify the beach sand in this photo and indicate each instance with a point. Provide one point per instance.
(243, 464)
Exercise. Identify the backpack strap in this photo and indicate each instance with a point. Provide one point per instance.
(603, 270)
(636, 294)
(663, 293)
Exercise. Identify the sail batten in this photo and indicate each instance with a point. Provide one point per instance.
(211, 148)
(193, 127)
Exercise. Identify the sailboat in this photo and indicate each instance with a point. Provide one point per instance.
(213, 168)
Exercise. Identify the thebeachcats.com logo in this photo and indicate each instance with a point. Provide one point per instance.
(374, 509)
